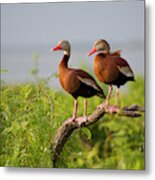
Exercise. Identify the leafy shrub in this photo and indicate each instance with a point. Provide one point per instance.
(31, 113)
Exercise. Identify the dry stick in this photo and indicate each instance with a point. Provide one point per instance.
(66, 129)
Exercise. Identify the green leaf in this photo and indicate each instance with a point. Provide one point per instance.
(85, 132)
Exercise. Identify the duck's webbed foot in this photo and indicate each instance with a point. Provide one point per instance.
(113, 109)
(71, 119)
(109, 108)
(81, 120)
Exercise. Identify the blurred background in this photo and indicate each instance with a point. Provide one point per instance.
(31, 111)
(30, 30)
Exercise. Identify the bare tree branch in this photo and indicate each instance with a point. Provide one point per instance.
(66, 129)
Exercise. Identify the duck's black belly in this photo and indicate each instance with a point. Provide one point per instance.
(121, 80)
(84, 91)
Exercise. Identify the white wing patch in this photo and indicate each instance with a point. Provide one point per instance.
(126, 71)
(88, 82)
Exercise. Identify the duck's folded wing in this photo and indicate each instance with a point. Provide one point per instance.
(124, 67)
(89, 82)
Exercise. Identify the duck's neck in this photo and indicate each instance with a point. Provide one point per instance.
(64, 62)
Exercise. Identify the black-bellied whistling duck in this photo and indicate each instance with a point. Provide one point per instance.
(111, 69)
(76, 81)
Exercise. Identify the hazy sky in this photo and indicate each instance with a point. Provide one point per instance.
(29, 28)
(46, 22)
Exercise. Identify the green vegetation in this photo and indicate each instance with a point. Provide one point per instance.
(31, 113)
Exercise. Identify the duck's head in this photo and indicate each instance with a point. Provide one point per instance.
(100, 46)
(63, 45)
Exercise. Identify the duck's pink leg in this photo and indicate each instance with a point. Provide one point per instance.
(85, 107)
(115, 109)
(84, 117)
(74, 112)
(106, 103)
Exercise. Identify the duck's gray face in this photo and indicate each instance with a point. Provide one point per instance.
(64, 46)
(100, 45)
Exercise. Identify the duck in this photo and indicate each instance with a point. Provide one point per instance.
(76, 82)
(111, 69)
